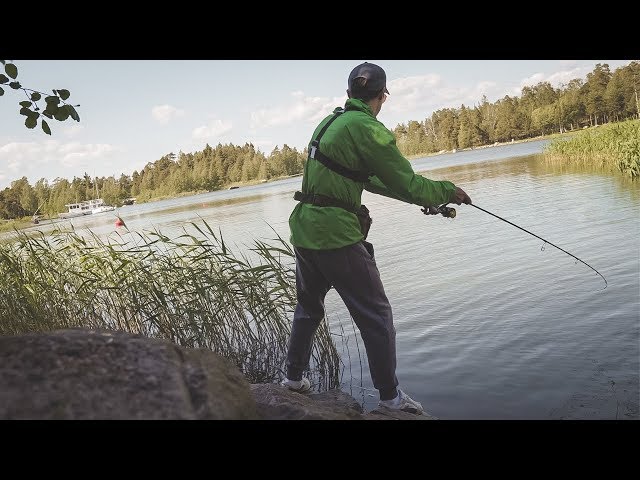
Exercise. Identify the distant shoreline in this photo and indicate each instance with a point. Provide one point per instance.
(496, 144)
(21, 224)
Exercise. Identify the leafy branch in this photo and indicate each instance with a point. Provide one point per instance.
(56, 105)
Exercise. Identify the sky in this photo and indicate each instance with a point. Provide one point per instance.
(133, 112)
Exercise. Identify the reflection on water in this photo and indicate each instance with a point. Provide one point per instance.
(206, 204)
(623, 183)
(489, 324)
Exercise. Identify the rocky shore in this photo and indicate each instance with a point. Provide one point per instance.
(81, 374)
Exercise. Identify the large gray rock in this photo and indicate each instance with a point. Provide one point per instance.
(93, 374)
(383, 414)
(276, 402)
(89, 374)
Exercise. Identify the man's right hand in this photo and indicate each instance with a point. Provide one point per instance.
(460, 197)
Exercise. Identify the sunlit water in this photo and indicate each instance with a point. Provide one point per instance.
(491, 322)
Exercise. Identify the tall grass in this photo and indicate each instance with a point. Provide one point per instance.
(612, 147)
(192, 290)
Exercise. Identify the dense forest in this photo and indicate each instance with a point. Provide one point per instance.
(540, 110)
(603, 97)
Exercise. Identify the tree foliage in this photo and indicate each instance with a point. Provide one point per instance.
(55, 106)
(540, 110)
(207, 170)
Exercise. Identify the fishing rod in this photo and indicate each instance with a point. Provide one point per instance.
(450, 212)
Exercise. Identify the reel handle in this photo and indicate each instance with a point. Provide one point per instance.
(447, 212)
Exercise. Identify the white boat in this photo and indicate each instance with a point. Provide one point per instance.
(98, 206)
(102, 208)
(88, 207)
(76, 210)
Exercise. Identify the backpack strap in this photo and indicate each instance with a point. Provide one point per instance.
(316, 154)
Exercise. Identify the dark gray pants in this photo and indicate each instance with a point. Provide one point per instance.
(353, 273)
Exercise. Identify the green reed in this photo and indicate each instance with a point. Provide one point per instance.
(613, 147)
(191, 290)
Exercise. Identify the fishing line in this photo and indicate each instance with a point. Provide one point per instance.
(545, 241)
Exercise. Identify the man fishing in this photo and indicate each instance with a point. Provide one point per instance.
(350, 151)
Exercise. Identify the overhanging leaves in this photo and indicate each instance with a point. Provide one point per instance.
(55, 105)
(72, 113)
(11, 70)
(62, 114)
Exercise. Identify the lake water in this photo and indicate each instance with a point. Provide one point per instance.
(491, 322)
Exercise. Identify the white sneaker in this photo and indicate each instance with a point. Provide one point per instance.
(300, 386)
(402, 402)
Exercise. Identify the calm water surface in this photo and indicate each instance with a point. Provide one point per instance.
(491, 323)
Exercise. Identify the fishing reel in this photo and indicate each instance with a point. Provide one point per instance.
(447, 212)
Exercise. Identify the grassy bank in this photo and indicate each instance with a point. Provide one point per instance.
(191, 290)
(612, 147)
(15, 224)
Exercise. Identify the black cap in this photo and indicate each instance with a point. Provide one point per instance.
(373, 81)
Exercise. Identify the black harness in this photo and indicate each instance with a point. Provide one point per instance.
(357, 176)
(316, 154)
(323, 201)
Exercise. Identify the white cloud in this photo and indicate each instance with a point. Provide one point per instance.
(556, 79)
(568, 63)
(76, 154)
(408, 95)
(165, 113)
(428, 93)
(265, 146)
(423, 94)
(301, 109)
(483, 88)
(419, 93)
(21, 158)
(215, 128)
(72, 130)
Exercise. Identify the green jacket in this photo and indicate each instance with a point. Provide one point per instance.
(359, 142)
